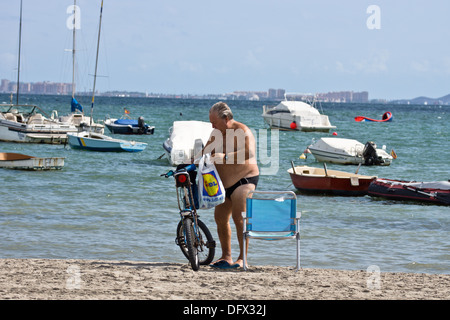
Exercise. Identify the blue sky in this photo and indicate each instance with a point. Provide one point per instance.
(203, 47)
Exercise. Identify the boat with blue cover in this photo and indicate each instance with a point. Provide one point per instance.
(129, 126)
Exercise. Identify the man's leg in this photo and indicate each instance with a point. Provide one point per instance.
(222, 215)
(238, 199)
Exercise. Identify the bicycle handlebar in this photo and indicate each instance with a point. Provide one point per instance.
(189, 168)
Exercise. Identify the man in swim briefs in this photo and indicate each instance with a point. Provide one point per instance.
(233, 150)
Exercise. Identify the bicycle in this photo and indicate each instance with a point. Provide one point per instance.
(193, 236)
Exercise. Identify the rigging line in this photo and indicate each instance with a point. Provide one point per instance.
(96, 62)
(18, 63)
(73, 46)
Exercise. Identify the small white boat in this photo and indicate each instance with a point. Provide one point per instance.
(20, 161)
(296, 115)
(186, 139)
(349, 151)
(99, 142)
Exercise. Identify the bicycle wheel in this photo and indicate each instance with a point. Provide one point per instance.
(189, 232)
(206, 246)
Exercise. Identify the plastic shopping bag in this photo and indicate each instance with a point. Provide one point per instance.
(211, 191)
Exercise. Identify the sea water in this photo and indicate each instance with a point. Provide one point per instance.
(116, 206)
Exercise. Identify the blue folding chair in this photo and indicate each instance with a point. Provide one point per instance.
(272, 215)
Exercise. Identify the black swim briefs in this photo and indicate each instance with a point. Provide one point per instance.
(253, 180)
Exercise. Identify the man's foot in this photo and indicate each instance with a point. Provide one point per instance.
(240, 262)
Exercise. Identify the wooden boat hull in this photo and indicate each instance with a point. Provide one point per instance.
(19, 161)
(317, 180)
(430, 192)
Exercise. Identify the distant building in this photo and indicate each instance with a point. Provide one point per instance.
(60, 88)
(45, 87)
(4, 85)
(361, 97)
(280, 93)
(344, 96)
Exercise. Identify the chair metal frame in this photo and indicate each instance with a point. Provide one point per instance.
(293, 231)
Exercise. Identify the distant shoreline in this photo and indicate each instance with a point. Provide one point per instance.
(248, 96)
(44, 279)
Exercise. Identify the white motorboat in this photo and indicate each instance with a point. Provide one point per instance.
(349, 151)
(296, 115)
(28, 123)
(20, 161)
(186, 139)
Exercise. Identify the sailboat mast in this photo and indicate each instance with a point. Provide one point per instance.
(18, 60)
(96, 62)
(73, 46)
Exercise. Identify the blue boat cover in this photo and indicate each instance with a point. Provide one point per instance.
(126, 122)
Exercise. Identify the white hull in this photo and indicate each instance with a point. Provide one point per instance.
(343, 151)
(26, 124)
(296, 115)
(187, 138)
(302, 123)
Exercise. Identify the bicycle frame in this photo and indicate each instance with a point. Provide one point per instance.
(186, 202)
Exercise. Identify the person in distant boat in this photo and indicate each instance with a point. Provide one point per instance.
(233, 150)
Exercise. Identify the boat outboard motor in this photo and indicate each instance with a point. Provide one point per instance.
(370, 154)
(141, 125)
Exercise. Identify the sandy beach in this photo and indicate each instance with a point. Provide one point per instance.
(46, 279)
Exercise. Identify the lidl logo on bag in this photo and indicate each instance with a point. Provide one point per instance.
(211, 185)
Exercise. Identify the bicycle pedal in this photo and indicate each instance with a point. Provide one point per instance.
(210, 244)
